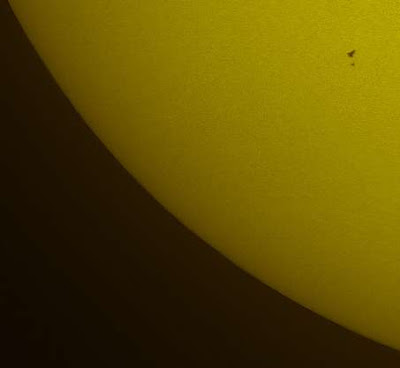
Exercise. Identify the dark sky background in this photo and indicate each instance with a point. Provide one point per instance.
(94, 272)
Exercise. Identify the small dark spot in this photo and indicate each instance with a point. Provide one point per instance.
(353, 64)
(351, 53)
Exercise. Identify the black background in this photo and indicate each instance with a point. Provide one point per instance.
(94, 272)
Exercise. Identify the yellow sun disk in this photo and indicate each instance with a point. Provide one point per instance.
(250, 123)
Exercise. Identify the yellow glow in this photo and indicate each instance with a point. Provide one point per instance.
(248, 121)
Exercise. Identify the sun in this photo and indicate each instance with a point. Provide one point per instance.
(269, 128)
